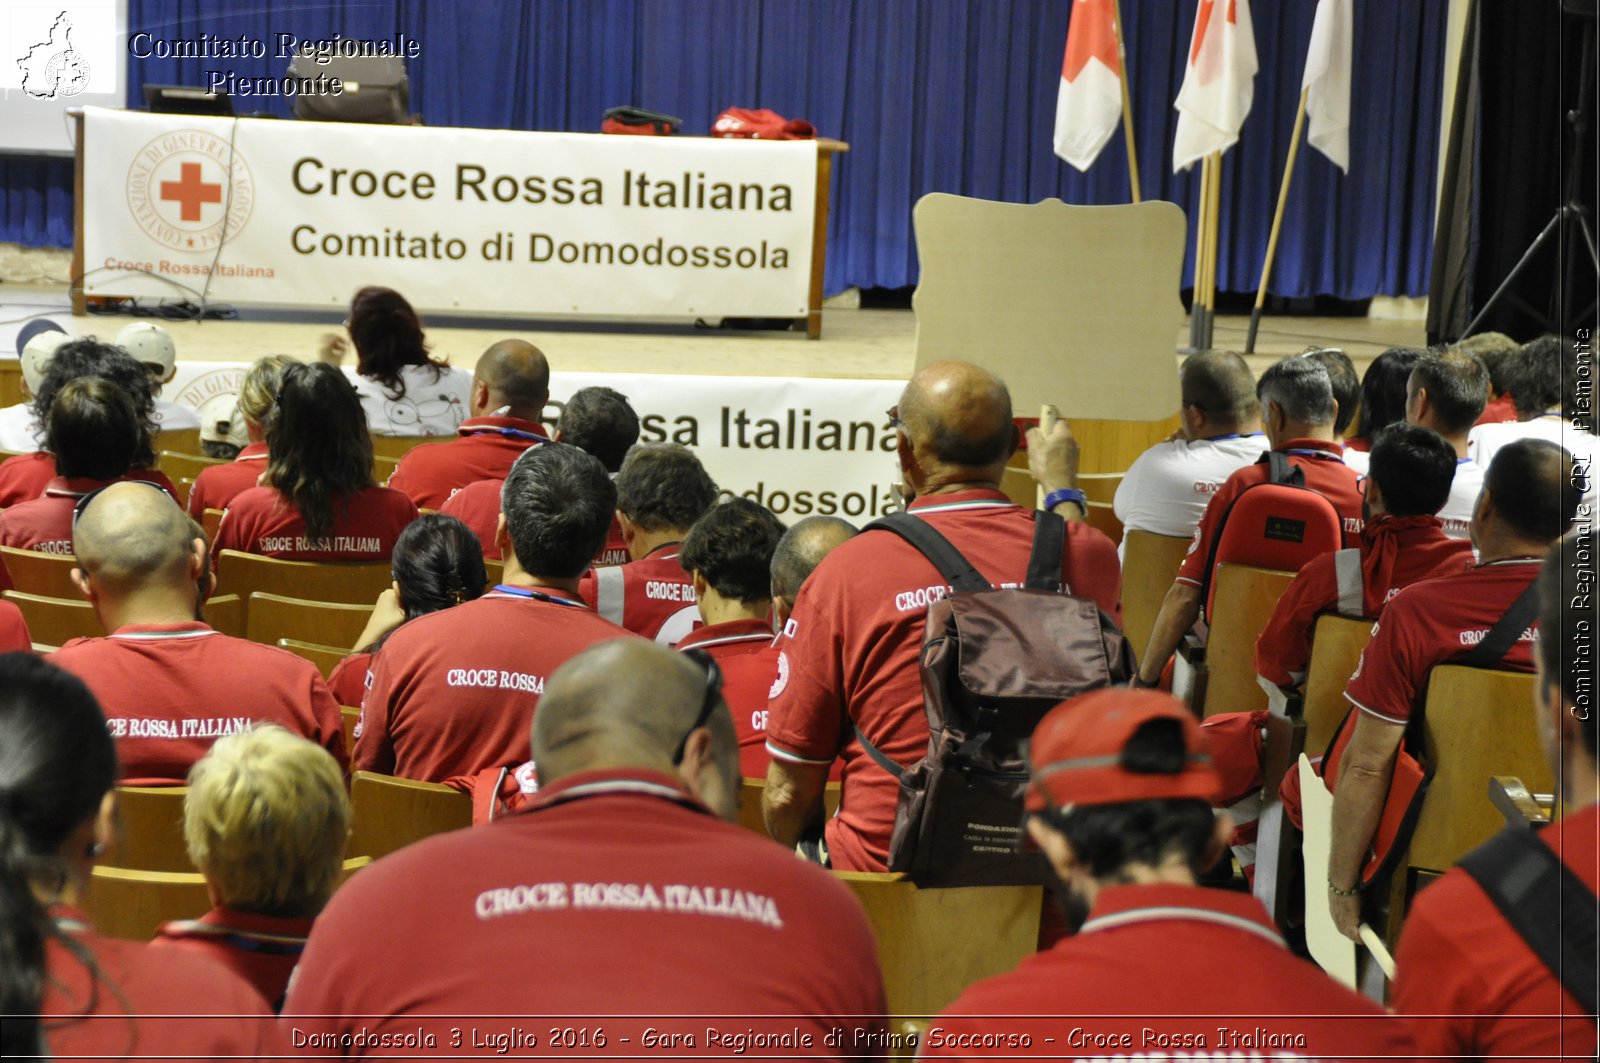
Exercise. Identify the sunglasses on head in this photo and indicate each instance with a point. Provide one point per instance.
(708, 703)
(82, 504)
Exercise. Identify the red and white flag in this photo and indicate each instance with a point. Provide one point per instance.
(1218, 84)
(1327, 81)
(1089, 103)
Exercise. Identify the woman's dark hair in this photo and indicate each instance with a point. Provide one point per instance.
(57, 763)
(388, 337)
(91, 358)
(1383, 389)
(93, 430)
(318, 449)
(438, 562)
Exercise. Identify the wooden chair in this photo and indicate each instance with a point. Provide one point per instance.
(1149, 564)
(750, 803)
(1336, 645)
(1241, 606)
(396, 447)
(49, 575)
(225, 612)
(389, 813)
(349, 715)
(133, 903)
(180, 464)
(383, 468)
(211, 520)
(1099, 489)
(326, 658)
(495, 569)
(56, 621)
(128, 903)
(1519, 806)
(151, 834)
(181, 441)
(350, 582)
(932, 944)
(270, 617)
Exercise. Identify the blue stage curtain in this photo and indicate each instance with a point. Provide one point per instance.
(933, 96)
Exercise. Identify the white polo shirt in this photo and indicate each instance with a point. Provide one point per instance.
(1166, 489)
(1457, 511)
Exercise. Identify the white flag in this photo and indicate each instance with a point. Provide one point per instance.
(1089, 102)
(1327, 81)
(1218, 83)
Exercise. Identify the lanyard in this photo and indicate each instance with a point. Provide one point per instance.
(511, 433)
(529, 592)
(1235, 435)
(1319, 455)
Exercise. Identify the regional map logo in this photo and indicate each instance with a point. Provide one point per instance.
(190, 191)
(53, 68)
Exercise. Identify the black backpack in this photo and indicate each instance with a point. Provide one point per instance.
(993, 663)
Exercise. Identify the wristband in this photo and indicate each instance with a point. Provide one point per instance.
(1353, 891)
(1066, 494)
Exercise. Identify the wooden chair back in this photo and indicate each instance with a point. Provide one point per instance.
(49, 575)
(326, 658)
(177, 463)
(1149, 563)
(1099, 489)
(1243, 599)
(270, 617)
(357, 583)
(396, 447)
(932, 944)
(132, 903)
(389, 813)
(150, 837)
(495, 569)
(179, 441)
(750, 803)
(225, 612)
(56, 621)
(1336, 645)
(348, 716)
(383, 468)
(211, 520)
(1478, 724)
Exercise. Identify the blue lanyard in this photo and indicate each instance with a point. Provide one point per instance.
(1234, 435)
(529, 592)
(1319, 455)
(513, 433)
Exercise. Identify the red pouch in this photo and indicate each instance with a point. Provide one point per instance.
(760, 124)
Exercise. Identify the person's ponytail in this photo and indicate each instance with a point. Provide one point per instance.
(23, 927)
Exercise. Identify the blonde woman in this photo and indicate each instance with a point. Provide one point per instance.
(266, 820)
(216, 486)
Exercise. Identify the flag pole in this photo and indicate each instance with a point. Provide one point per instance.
(1277, 223)
(1198, 273)
(1216, 240)
(1127, 105)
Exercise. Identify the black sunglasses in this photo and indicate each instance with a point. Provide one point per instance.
(708, 703)
(83, 503)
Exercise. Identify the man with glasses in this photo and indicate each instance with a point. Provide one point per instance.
(620, 890)
(848, 659)
(169, 684)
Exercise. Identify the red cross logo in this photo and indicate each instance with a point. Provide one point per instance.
(190, 192)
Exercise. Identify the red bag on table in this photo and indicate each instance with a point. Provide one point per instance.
(761, 124)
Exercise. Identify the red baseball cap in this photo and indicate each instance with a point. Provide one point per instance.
(1076, 752)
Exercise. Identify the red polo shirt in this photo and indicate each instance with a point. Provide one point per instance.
(365, 526)
(1431, 622)
(744, 651)
(850, 651)
(261, 949)
(45, 523)
(1395, 553)
(139, 1002)
(14, 636)
(24, 478)
(614, 894)
(1471, 987)
(485, 448)
(348, 680)
(478, 507)
(652, 596)
(454, 692)
(1141, 979)
(170, 690)
(1325, 472)
(615, 552)
(217, 485)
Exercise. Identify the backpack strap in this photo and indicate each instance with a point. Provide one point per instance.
(879, 756)
(1044, 563)
(1280, 470)
(937, 549)
(1520, 874)
(1505, 633)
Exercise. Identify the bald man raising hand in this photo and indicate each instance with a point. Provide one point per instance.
(510, 387)
(620, 887)
(170, 685)
(848, 662)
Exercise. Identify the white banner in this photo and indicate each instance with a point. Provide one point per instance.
(482, 221)
(797, 446)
